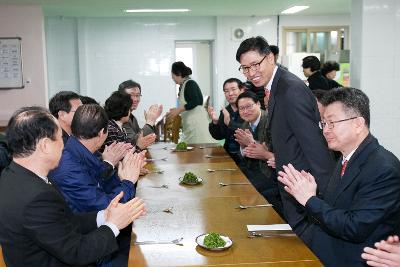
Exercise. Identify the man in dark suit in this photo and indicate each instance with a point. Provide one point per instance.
(254, 140)
(36, 226)
(361, 204)
(224, 126)
(293, 123)
(141, 137)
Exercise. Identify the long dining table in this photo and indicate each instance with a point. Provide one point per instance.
(176, 211)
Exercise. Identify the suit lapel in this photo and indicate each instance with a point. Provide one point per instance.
(271, 101)
(355, 164)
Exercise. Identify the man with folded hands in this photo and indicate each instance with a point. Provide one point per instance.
(361, 204)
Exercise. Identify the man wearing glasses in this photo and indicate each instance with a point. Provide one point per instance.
(293, 123)
(361, 204)
(144, 137)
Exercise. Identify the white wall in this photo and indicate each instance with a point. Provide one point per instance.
(375, 65)
(96, 54)
(25, 22)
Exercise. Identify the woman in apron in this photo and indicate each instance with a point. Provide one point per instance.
(194, 115)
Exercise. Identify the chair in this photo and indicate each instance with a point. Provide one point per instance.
(171, 129)
(206, 101)
(2, 263)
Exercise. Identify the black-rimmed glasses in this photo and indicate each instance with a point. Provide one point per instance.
(331, 124)
(253, 67)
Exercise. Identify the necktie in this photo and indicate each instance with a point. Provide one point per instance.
(344, 165)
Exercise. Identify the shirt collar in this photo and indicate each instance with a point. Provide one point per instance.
(256, 122)
(269, 84)
(347, 158)
(45, 179)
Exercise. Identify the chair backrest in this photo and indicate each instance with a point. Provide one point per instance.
(206, 101)
(2, 263)
(171, 129)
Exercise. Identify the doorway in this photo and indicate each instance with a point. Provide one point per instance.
(198, 56)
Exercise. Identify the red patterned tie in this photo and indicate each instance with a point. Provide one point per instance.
(344, 165)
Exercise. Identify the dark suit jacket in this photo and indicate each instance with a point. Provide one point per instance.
(257, 171)
(38, 229)
(318, 81)
(297, 139)
(359, 209)
(220, 131)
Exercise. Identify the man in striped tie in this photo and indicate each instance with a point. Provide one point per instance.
(362, 201)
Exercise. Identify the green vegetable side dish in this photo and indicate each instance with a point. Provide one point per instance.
(181, 146)
(190, 178)
(214, 240)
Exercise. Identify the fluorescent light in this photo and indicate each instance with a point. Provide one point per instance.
(294, 9)
(156, 10)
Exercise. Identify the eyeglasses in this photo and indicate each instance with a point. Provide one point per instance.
(253, 67)
(331, 124)
(247, 107)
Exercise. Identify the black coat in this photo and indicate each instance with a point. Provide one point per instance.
(38, 229)
(297, 139)
(358, 209)
(318, 81)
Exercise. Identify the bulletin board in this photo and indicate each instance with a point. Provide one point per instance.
(11, 63)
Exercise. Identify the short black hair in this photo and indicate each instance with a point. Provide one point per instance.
(329, 66)
(354, 101)
(118, 105)
(274, 49)
(60, 102)
(88, 120)
(258, 44)
(27, 126)
(311, 62)
(180, 69)
(128, 85)
(319, 94)
(233, 80)
(88, 100)
(247, 94)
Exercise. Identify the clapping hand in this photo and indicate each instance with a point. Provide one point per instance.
(115, 152)
(258, 151)
(385, 253)
(121, 215)
(129, 169)
(227, 116)
(243, 137)
(212, 114)
(145, 141)
(301, 185)
(152, 114)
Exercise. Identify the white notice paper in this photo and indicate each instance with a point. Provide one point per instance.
(269, 227)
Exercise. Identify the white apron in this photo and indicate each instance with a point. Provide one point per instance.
(194, 122)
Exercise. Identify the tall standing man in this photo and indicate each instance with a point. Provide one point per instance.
(293, 123)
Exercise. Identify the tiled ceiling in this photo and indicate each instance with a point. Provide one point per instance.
(114, 8)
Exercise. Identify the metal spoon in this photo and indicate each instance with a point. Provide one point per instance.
(174, 242)
(168, 210)
(214, 170)
(253, 206)
(254, 234)
(210, 156)
(152, 160)
(224, 184)
(161, 186)
(157, 171)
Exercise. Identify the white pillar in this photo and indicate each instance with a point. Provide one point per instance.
(375, 65)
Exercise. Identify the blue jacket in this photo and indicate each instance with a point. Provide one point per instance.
(79, 178)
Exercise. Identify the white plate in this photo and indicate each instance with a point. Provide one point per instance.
(199, 181)
(200, 242)
(187, 149)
